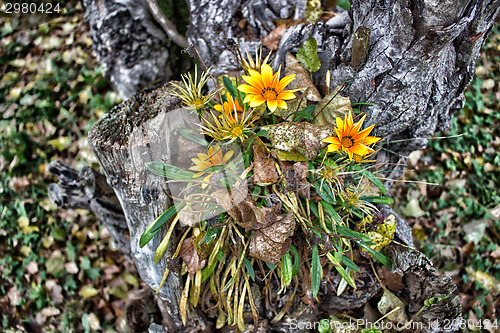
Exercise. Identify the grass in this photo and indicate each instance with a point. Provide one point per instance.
(59, 269)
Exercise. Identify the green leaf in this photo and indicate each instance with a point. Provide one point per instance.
(207, 271)
(331, 211)
(351, 233)
(262, 133)
(228, 84)
(385, 260)
(349, 263)
(249, 267)
(336, 263)
(313, 207)
(168, 171)
(287, 269)
(296, 260)
(193, 137)
(306, 113)
(153, 228)
(379, 200)
(375, 181)
(315, 271)
(308, 55)
(325, 192)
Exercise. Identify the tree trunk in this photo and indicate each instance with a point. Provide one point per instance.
(420, 58)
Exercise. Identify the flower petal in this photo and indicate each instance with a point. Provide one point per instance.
(273, 104)
(370, 139)
(282, 104)
(286, 95)
(285, 81)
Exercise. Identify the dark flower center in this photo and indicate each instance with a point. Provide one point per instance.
(347, 141)
(269, 93)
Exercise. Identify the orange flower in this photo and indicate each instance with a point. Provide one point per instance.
(350, 139)
(229, 107)
(265, 87)
(204, 161)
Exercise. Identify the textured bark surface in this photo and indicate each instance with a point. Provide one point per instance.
(131, 134)
(89, 190)
(131, 47)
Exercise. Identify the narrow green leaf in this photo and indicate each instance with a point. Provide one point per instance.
(207, 271)
(336, 263)
(351, 233)
(168, 171)
(385, 260)
(313, 207)
(262, 133)
(308, 55)
(249, 268)
(229, 86)
(325, 192)
(193, 137)
(331, 211)
(349, 263)
(287, 268)
(306, 113)
(379, 200)
(296, 261)
(375, 181)
(315, 271)
(153, 228)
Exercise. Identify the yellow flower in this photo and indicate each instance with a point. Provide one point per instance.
(228, 107)
(204, 161)
(266, 87)
(255, 65)
(191, 93)
(230, 125)
(350, 139)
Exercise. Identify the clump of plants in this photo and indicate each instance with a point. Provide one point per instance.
(280, 191)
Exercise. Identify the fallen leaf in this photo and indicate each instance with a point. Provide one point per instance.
(474, 230)
(264, 169)
(189, 255)
(269, 244)
(330, 107)
(55, 263)
(387, 305)
(302, 80)
(413, 209)
(304, 137)
(55, 291)
(272, 40)
(88, 291)
(41, 316)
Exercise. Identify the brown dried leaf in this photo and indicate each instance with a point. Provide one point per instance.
(330, 107)
(304, 138)
(302, 79)
(264, 170)
(189, 255)
(272, 40)
(269, 243)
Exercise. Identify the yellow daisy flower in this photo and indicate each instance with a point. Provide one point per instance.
(350, 139)
(191, 93)
(255, 65)
(229, 107)
(204, 161)
(265, 87)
